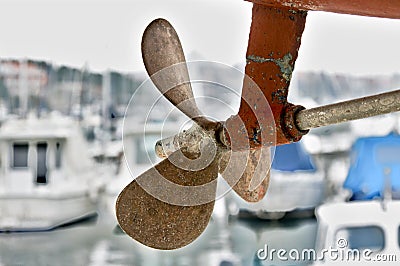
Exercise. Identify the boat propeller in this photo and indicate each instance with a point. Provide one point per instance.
(170, 205)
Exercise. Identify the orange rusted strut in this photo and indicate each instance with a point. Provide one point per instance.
(370, 8)
(274, 41)
(273, 46)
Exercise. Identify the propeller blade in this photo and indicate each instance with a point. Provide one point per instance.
(160, 224)
(254, 168)
(162, 50)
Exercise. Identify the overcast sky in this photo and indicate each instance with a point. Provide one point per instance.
(107, 34)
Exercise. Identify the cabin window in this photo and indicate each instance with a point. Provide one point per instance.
(20, 155)
(41, 170)
(361, 238)
(58, 155)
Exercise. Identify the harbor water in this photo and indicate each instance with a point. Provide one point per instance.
(98, 242)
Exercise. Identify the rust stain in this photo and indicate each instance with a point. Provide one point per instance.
(283, 63)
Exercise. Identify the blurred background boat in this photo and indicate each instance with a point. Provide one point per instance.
(47, 178)
(375, 167)
(370, 219)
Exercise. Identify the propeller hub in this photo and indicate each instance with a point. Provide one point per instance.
(191, 140)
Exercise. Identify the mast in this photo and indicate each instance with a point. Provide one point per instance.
(23, 88)
(106, 101)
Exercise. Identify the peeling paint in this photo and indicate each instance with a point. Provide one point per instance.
(280, 96)
(283, 63)
(256, 135)
(285, 66)
(259, 59)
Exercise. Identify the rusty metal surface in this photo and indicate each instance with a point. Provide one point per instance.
(158, 224)
(246, 171)
(274, 41)
(349, 110)
(289, 126)
(170, 205)
(372, 8)
(162, 50)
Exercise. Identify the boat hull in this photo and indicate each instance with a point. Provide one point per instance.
(19, 214)
(286, 193)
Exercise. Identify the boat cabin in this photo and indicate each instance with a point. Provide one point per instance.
(31, 162)
(38, 154)
(359, 226)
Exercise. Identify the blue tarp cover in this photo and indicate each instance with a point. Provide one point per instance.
(375, 164)
(292, 157)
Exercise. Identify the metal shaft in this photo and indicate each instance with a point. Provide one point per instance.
(349, 110)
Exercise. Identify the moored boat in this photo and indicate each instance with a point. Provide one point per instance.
(47, 178)
(365, 229)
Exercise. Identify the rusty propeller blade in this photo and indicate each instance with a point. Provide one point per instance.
(162, 50)
(159, 224)
(155, 221)
(254, 180)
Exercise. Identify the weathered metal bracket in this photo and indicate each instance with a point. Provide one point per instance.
(274, 41)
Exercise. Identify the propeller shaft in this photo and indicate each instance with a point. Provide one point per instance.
(379, 104)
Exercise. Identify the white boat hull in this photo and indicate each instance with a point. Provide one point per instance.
(286, 193)
(43, 213)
